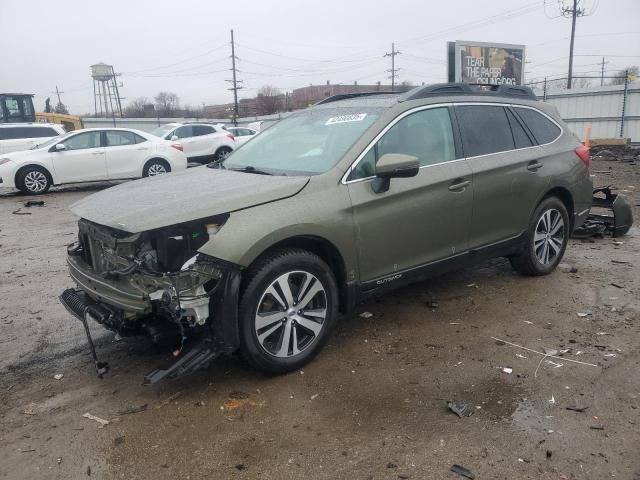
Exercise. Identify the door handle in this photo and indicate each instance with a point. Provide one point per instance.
(97, 153)
(459, 186)
(142, 148)
(534, 166)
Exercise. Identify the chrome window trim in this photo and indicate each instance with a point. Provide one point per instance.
(344, 180)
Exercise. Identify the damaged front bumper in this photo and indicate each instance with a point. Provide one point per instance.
(128, 284)
(610, 214)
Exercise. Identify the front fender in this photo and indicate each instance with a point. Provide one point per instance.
(316, 212)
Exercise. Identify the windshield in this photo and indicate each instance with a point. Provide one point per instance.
(50, 142)
(163, 130)
(307, 143)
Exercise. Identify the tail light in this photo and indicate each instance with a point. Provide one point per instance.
(177, 146)
(231, 137)
(583, 152)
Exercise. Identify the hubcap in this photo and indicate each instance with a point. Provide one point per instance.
(35, 181)
(549, 236)
(291, 314)
(156, 169)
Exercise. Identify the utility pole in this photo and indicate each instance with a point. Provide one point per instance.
(575, 12)
(394, 70)
(602, 73)
(58, 92)
(235, 81)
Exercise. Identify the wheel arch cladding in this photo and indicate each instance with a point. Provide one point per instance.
(567, 199)
(324, 249)
(24, 167)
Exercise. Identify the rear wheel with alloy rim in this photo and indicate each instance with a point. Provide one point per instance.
(546, 239)
(287, 310)
(33, 180)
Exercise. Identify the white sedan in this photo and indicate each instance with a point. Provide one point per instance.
(90, 155)
(242, 134)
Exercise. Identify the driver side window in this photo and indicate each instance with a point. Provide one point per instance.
(426, 134)
(184, 132)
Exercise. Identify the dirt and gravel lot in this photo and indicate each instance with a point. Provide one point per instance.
(373, 405)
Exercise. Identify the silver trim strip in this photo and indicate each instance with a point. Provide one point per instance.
(344, 180)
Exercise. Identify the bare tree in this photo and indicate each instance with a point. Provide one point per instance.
(137, 107)
(61, 108)
(269, 100)
(620, 74)
(167, 104)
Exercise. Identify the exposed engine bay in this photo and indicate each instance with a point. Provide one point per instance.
(153, 283)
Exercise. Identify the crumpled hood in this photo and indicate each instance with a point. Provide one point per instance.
(191, 194)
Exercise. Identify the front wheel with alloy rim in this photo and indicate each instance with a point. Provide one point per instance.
(547, 238)
(288, 307)
(222, 153)
(33, 180)
(155, 167)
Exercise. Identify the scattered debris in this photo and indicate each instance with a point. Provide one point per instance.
(617, 285)
(566, 268)
(528, 322)
(596, 427)
(464, 472)
(58, 376)
(366, 314)
(314, 396)
(620, 262)
(133, 409)
(101, 421)
(18, 212)
(554, 364)
(550, 351)
(543, 354)
(549, 453)
(577, 409)
(235, 403)
(473, 285)
(118, 440)
(34, 203)
(552, 400)
(431, 304)
(240, 466)
(169, 400)
(584, 314)
(519, 355)
(461, 408)
(507, 370)
(30, 410)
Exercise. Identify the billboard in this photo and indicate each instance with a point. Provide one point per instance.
(489, 63)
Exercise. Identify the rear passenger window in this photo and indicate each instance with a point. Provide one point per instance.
(485, 129)
(199, 130)
(426, 134)
(15, 133)
(542, 128)
(519, 135)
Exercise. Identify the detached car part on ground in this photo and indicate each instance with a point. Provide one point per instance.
(611, 214)
(352, 197)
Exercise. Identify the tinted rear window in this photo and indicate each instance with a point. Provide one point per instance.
(14, 133)
(543, 129)
(485, 129)
(520, 136)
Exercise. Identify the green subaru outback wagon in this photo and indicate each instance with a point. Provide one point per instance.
(262, 252)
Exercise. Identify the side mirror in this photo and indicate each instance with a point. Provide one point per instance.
(60, 147)
(394, 165)
(174, 138)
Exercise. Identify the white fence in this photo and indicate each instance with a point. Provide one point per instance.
(601, 108)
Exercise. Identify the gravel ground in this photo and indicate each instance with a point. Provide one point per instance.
(372, 405)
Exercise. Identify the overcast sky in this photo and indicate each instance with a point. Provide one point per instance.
(183, 46)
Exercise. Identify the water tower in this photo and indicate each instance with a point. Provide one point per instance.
(106, 97)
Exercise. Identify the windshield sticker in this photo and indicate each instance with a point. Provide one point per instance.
(356, 117)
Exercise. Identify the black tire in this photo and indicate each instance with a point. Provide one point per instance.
(271, 355)
(528, 261)
(222, 153)
(33, 180)
(155, 166)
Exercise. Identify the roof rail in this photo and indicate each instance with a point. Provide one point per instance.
(346, 96)
(518, 91)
